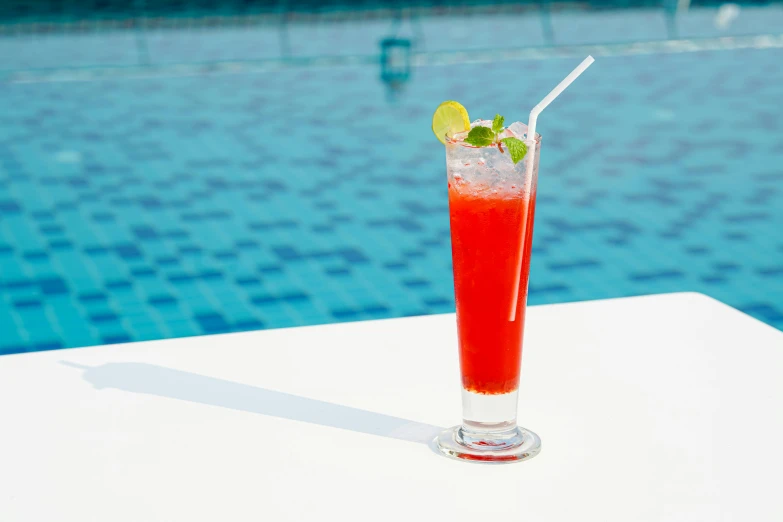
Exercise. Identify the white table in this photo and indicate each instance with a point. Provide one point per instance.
(659, 408)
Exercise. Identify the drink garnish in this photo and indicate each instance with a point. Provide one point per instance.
(516, 148)
(449, 119)
(480, 136)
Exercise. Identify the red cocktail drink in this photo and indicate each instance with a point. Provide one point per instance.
(492, 200)
(486, 227)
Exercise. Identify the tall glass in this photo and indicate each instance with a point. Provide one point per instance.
(491, 207)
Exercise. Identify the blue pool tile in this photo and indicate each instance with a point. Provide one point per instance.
(225, 255)
(438, 301)
(414, 254)
(119, 284)
(96, 250)
(190, 250)
(60, 244)
(416, 283)
(27, 303)
(320, 254)
(51, 229)
(747, 217)
(345, 313)
(211, 275)
(12, 348)
(143, 271)
(697, 250)
(54, 344)
(248, 282)
(104, 317)
(269, 268)
(764, 311)
(42, 214)
(145, 233)
(167, 261)
(146, 202)
(103, 217)
(337, 271)
(574, 265)
(376, 309)
(176, 233)
(212, 323)
(322, 229)
(66, 205)
(9, 206)
(547, 289)
(116, 338)
(264, 299)
(162, 300)
(53, 286)
(93, 297)
(247, 244)
(127, 251)
(656, 275)
(273, 225)
(353, 256)
(35, 255)
(248, 324)
(736, 236)
(205, 216)
(17, 284)
(294, 296)
(287, 253)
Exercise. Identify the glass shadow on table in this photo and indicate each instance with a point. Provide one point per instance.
(151, 379)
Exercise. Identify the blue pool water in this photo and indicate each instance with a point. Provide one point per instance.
(166, 199)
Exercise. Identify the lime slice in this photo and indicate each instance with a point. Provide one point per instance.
(450, 118)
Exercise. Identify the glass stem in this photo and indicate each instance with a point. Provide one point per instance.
(489, 421)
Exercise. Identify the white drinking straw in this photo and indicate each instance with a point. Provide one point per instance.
(531, 136)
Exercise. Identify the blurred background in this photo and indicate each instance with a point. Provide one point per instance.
(174, 168)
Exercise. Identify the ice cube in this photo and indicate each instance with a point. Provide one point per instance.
(456, 164)
(519, 129)
(460, 136)
(481, 123)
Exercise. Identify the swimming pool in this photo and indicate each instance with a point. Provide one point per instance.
(224, 186)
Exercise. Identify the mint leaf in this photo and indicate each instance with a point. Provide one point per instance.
(516, 148)
(480, 137)
(497, 123)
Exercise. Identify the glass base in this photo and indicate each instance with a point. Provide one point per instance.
(515, 445)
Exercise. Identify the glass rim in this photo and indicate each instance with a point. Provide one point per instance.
(450, 141)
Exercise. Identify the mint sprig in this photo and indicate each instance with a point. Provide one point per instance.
(484, 137)
(516, 148)
(481, 137)
(497, 123)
